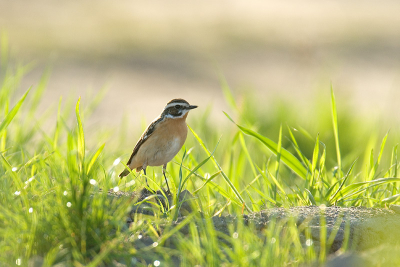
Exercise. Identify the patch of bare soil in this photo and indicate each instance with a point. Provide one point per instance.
(367, 228)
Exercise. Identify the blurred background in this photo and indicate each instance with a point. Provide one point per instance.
(146, 53)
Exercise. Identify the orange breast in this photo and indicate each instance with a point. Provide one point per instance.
(162, 145)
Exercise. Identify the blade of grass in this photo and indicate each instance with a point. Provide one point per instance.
(342, 183)
(322, 161)
(264, 196)
(392, 172)
(216, 186)
(378, 161)
(10, 116)
(287, 158)
(273, 179)
(199, 165)
(3, 134)
(394, 162)
(343, 193)
(299, 153)
(81, 137)
(391, 199)
(228, 181)
(314, 163)
(322, 236)
(278, 159)
(207, 181)
(336, 132)
(94, 158)
(246, 151)
(58, 124)
(17, 181)
(310, 197)
(180, 186)
(304, 132)
(315, 155)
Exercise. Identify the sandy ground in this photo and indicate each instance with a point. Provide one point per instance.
(148, 53)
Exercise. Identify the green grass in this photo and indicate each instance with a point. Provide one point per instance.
(268, 156)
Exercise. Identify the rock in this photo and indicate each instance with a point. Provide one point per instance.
(366, 227)
(348, 260)
(395, 208)
(36, 261)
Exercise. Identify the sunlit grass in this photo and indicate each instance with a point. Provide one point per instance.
(52, 208)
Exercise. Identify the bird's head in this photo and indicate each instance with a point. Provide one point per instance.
(177, 108)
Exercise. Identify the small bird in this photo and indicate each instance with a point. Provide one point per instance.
(162, 139)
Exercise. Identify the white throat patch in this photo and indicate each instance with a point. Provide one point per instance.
(176, 117)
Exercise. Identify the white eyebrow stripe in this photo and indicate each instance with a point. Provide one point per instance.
(176, 103)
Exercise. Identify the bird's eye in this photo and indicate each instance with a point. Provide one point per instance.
(178, 106)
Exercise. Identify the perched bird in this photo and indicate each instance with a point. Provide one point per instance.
(162, 139)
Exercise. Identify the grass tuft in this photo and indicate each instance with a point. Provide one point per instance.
(59, 183)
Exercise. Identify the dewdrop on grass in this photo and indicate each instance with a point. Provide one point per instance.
(116, 161)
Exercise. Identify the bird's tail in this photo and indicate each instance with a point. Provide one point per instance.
(124, 173)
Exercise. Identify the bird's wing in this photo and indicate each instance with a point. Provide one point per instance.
(150, 129)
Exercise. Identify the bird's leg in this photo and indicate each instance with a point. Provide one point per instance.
(147, 183)
(163, 171)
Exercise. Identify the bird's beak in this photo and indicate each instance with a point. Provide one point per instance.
(192, 107)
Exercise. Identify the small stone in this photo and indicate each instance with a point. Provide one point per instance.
(36, 261)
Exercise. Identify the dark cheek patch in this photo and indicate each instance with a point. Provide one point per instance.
(173, 112)
(176, 113)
